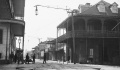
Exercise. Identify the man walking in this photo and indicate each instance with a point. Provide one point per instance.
(34, 58)
(44, 60)
(27, 58)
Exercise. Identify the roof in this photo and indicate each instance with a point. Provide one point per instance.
(94, 11)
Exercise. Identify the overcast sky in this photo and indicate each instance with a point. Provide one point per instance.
(44, 24)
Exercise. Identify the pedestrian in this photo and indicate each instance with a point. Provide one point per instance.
(27, 58)
(18, 57)
(34, 58)
(15, 58)
(68, 59)
(11, 57)
(44, 59)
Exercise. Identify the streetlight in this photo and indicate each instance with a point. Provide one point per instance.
(36, 11)
(19, 41)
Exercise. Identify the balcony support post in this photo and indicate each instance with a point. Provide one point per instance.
(102, 28)
(73, 36)
(86, 21)
(57, 46)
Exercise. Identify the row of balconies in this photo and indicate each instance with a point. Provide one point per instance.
(89, 34)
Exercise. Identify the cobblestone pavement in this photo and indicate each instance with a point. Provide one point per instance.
(53, 65)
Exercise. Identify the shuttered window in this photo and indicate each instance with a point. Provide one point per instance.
(1, 36)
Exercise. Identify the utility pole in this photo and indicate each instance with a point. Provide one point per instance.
(73, 36)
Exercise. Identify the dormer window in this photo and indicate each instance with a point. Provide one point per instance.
(101, 7)
(114, 8)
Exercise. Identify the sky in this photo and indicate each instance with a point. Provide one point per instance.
(44, 25)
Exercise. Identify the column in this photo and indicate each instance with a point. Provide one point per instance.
(57, 45)
(102, 30)
(86, 22)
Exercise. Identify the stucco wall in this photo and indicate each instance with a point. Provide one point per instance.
(5, 43)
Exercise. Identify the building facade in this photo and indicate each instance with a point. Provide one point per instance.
(92, 35)
(12, 25)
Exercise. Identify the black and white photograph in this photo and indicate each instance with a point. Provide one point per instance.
(59, 34)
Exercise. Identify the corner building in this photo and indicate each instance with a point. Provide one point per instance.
(12, 25)
(96, 31)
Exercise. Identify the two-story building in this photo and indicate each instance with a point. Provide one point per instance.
(12, 25)
(92, 35)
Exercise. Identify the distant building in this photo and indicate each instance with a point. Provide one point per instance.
(47, 47)
(12, 25)
(93, 34)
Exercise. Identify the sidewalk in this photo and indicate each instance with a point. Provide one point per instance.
(101, 67)
(38, 61)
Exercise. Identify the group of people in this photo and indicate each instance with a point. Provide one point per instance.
(16, 58)
(27, 60)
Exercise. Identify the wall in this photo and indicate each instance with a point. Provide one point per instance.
(5, 39)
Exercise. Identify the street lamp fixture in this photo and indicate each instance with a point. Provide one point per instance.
(36, 11)
(19, 41)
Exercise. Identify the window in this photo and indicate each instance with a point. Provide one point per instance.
(101, 7)
(114, 8)
(91, 53)
(1, 36)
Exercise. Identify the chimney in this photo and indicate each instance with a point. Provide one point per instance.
(87, 4)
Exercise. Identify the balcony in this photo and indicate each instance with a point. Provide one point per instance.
(89, 34)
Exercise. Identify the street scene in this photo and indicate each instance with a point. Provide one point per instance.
(60, 35)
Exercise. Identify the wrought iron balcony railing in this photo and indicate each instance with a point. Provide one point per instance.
(90, 34)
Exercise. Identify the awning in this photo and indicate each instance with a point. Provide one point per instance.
(13, 21)
(17, 26)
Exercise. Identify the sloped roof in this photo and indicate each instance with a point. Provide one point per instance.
(94, 11)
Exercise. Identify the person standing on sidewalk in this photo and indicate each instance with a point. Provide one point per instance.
(68, 59)
(34, 58)
(15, 58)
(44, 59)
(27, 58)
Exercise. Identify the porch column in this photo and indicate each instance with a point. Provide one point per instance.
(67, 46)
(6, 45)
(86, 21)
(57, 45)
(102, 29)
(73, 36)
(23, 42)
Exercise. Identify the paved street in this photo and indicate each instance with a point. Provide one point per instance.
(53, 65)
